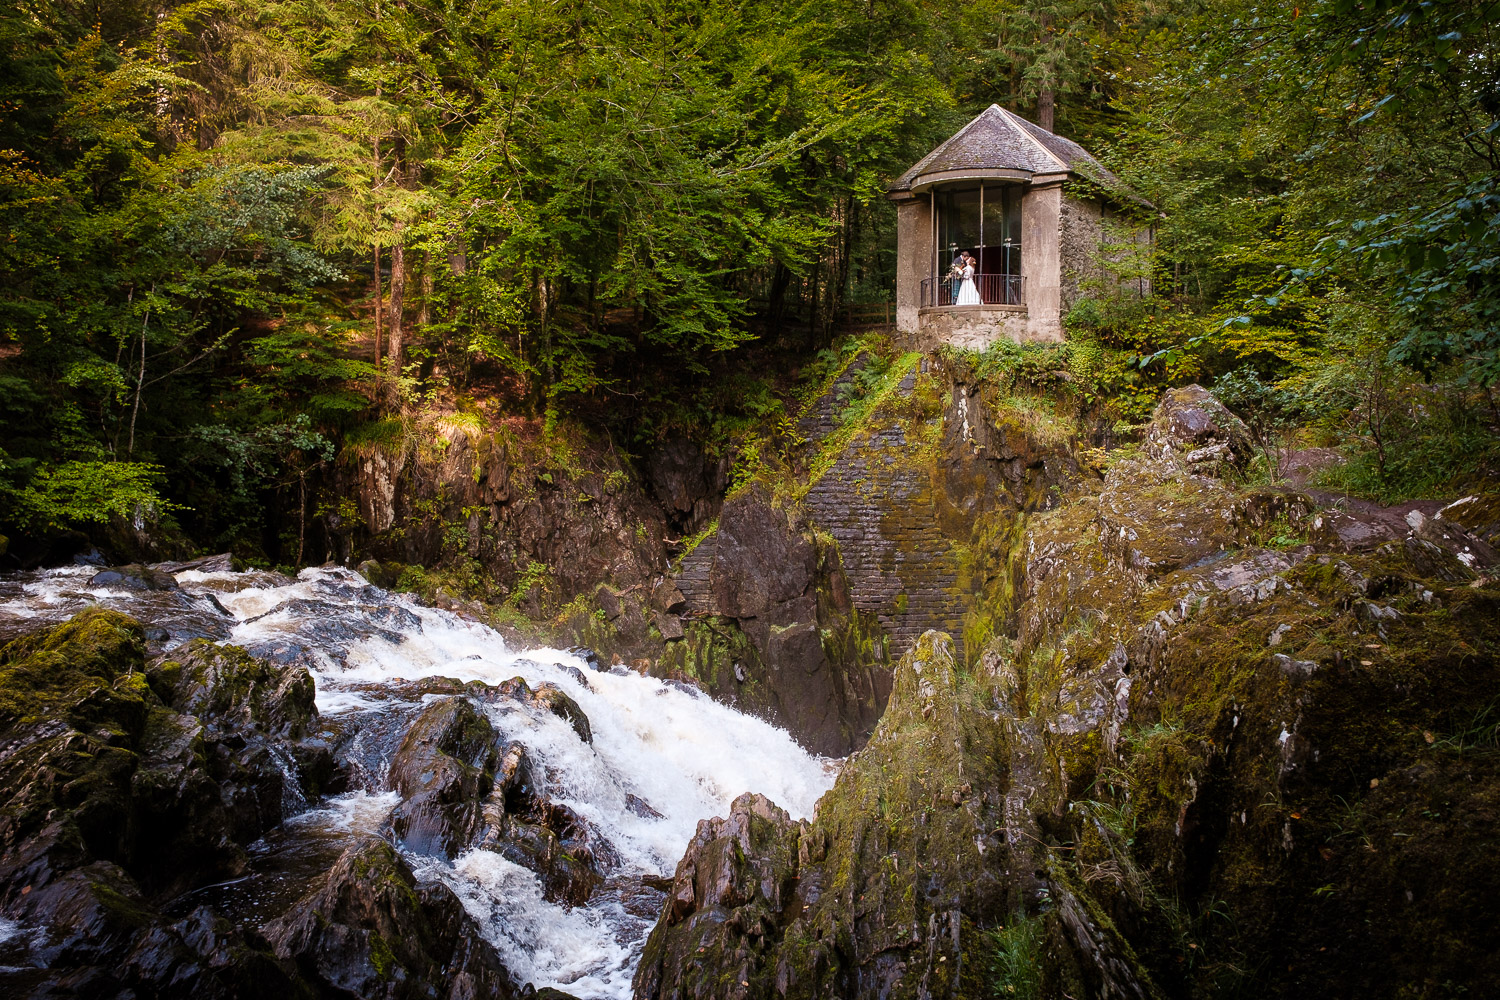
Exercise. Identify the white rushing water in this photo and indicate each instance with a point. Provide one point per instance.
(683, 754)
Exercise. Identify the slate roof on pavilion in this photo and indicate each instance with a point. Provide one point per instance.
(999, 140)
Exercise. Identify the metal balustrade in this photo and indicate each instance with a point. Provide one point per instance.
(994, 290)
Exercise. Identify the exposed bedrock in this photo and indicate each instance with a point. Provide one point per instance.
(453, 493)
(124, 786)
(818, 576)
(915, 856)
(1205, 747)
(777, 634)
(789, 597)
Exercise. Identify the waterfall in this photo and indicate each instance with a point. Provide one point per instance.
(662, 755)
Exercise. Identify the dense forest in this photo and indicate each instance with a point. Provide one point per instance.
(239, 236)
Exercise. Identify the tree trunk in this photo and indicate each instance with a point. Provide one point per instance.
(781, 278)
(140, 379)
(424, 315)
(301, 514)
(379, 318)
(813, 332)
(397, 303)
(1046, 109)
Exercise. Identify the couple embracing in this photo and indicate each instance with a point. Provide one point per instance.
(961, 277)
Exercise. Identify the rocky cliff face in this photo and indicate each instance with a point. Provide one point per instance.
(1211, 744)
(1121, 728)
(796, 592)
(819, 572)
(455, 492)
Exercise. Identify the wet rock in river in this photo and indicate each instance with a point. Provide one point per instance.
(461, 786)
(113, 801)
(555, 700)
(372, 931)
(133, 577)
(221, 563)
(236, 691)
(444, 769)
(588, 656)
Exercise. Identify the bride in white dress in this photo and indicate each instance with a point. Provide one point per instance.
(968, 294)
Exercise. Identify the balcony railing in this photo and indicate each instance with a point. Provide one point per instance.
(994, 290)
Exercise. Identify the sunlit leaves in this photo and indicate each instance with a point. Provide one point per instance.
(76, 493)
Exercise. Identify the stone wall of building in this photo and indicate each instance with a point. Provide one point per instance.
(1082, 226)
(976, 327)
(1040, 249)
(913, 259)
(1092, 233)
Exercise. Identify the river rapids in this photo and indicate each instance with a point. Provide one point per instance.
(662, 757)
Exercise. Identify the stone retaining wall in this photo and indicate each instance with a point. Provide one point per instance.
(877, 501)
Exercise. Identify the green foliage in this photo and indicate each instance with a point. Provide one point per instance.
(1016, 968)
(1478, 735)
(1447, 276)
(644, 215)
(536, 577)
(80, 493)
(865, 382)
(1434, 455)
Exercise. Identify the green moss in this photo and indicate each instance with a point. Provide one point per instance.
(855, 419)
(709, 653)
(58, 666)
(1079, 756)
(123, 910)
(381, 956)
(388, 436)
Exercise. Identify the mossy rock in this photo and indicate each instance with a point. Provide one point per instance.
(444, 769)
(59, 665)
(903, 844)
(230, 689)
(371, 930)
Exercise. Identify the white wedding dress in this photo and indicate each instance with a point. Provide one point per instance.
(968, 295)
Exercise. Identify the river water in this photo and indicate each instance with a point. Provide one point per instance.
(682, 754)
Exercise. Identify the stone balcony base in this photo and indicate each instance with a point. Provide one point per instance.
(976, 327)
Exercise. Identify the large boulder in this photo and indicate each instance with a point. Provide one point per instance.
(884, 893)
(114, 802)
(762, 568)
(1192, 427)
(444, 770)
(372, 931)
(234, 691)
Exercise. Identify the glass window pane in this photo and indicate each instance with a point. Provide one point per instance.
(1001, 253)
(958, 224)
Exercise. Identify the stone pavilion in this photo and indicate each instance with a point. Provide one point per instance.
(1035, 209)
